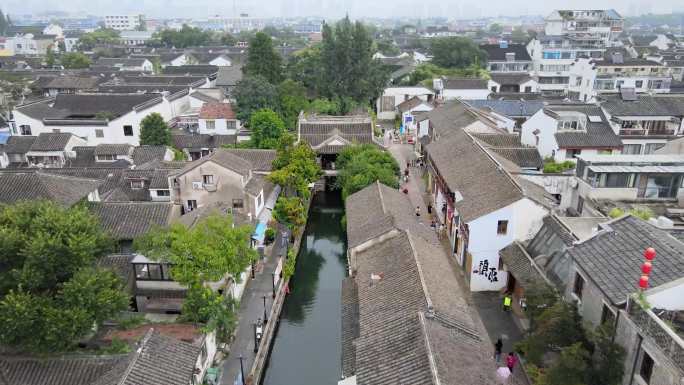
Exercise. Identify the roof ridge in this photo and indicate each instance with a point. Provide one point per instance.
(499, 166)
(382, 201)
(428, 300)
(428, 348)
(136, 355)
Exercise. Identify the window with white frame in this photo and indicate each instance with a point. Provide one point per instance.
(211, 124)
(208, 179)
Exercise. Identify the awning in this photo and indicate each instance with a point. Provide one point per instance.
(259, 232)
(668, 169)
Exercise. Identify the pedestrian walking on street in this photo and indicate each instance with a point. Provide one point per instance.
(429, 208)
(502, 375)
(507, 300)
(497, 350)
(417, 211)
(441, 231)
(511, 361)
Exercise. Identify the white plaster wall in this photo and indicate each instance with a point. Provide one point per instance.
(527, 219)
(484, 244)
(221, 62)
(448, 94)
(547, 127)
(668, 296)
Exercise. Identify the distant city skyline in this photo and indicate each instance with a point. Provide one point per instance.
(333, 8)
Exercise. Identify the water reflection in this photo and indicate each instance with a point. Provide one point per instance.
(306, 350)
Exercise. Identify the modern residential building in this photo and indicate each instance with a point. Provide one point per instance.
(623, 178)
(125, 22)
(645, 123)
(563, 131)
(504, 57)
(590, 78)
(569, 35)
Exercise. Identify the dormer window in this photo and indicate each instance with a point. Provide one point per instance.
(137, 184)
(510, 56)
(106, 158)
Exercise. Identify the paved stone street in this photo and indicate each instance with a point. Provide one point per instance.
(488, 304)
(251, 308)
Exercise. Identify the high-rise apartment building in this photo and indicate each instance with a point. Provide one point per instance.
(124, 22)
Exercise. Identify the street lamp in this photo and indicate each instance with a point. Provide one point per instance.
(265, 316)
(253, 276)
(273, 283)
(242, 371)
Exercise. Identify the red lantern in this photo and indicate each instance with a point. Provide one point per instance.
(646, 267)
(649, 253)
(643, 282)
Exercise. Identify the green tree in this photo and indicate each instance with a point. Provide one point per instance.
(267, 129)
(519, 36)
(205, 253)
(295, 166)
(305, 67)
(186, 37)
(608, 357)
(4, 23)
(263, 60)
(387, 47)
(495, 29)
(361, 165)
(154, 131)
(570, 368)
(228, 39)
(50, 295)
(292, 100)
(75, 60)
(88, 41)
(348, 67)
(456, 52)
(254, 93)
(50, 57)
(325, 106)
(290, 212)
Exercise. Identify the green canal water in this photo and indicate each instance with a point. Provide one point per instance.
(306, 349)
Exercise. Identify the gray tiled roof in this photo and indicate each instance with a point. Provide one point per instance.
(496, 53)
(509, 108)
(198, 141)
(467, 168)
(21, 186)
(114, 62)
(417, 283)
(66, 370)
(121, 265)
(510, 147)
(223, 158)
(407, 105)
(511, 78)
(645, 105)
(449, 117)
(17, 144)
(465, 84)
(612, 259)
(350, 325)
(261, 160)
(597, 134)
(127, 221)
(315, 130)
(51, 141)
(86, 105)
(520, 265)
(148, 153)
(113, 149)
(73, 82)
(194, 69)
(229, 76)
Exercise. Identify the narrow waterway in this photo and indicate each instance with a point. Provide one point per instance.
(306, 349)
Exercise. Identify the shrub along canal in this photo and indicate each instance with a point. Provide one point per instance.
(306, 348)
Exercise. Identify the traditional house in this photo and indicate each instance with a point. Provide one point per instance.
(218, 119)
(327, 135)
(518, 110)
(482, 206)
(39, 185)
(409, 111)
(126, 221)
(97, 118)
(70, 85)
(196, 146)
(13, 151)
(392, 97)
(228, 77)
(229, 176)
(563, 131)
(52, 149)
(126, 64)
(401, 284)
(173, 354)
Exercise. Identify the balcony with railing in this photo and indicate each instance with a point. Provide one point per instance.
(666, 337)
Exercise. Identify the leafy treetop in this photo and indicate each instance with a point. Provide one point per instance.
(154, 131)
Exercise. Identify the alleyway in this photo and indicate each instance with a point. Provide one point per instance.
(488, 304)
(251, 308)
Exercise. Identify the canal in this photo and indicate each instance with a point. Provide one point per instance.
(306, 349)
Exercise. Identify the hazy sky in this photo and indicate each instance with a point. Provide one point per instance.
(334, 8)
